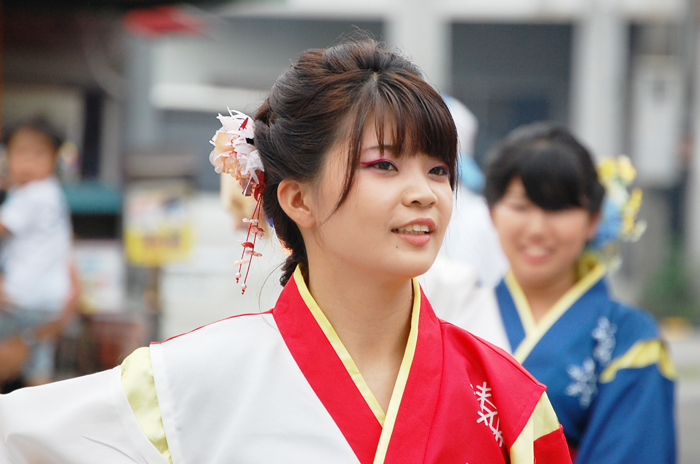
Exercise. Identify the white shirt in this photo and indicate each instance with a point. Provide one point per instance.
(456, 295)
(36, 254)
(472, 240)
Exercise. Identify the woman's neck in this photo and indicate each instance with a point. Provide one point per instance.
(542, 296)
(372, 318)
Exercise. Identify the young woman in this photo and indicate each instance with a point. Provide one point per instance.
(351, 365)
(608, 374)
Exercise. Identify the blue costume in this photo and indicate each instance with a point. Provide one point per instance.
(608, 374)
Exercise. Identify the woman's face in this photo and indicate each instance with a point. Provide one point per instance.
(394, 218)
(542, 246)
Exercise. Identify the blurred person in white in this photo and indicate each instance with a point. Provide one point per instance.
(471, 262)
(471, 239)
(37, 278)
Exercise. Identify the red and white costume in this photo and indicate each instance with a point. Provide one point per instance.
(280, 387)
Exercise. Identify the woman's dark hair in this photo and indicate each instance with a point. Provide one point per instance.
(40, 126)
(326, 97)
(556, 170)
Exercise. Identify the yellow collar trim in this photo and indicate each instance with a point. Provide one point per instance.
(535, 331)
(542, 421)
(401, 379)
(386, 421)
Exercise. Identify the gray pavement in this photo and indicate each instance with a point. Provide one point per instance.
(686, 355)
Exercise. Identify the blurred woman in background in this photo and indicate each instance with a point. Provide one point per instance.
(607, 371)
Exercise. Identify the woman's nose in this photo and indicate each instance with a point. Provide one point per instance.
(417, 189)
(537, 221)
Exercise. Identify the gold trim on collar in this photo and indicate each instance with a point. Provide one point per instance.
(386, 420)
(401, 379)
(535, 331)
(338, 346)
(542, 421)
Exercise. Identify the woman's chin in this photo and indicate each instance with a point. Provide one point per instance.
(413, 269)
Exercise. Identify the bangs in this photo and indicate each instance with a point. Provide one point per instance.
(552, 182)
(556, 170)
(418, 124)
(413, 111)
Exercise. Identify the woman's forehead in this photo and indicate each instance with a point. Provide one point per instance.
(382, 134)
(516, 187)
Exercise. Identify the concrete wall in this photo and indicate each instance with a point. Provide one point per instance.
(511, 74)
(179, 83)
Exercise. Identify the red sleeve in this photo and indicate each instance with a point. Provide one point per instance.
(552, 448)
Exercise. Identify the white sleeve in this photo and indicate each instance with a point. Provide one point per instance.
(18, 212)
(85, 420)
(457, 297)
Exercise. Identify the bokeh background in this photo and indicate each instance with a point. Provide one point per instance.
(134, 85)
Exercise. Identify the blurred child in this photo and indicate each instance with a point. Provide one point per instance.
(37, 282)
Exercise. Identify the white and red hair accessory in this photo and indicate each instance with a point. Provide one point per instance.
(235, 154)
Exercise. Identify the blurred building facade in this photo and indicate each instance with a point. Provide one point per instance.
(137, 91)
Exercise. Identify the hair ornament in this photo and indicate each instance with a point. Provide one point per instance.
(618, 221)
(235, 154)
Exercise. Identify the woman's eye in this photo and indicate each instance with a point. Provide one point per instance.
(382, 165)
(519, 206)
(441, 170)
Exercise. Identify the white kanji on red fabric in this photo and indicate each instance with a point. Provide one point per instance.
(488, 414)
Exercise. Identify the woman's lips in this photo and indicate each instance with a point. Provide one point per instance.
(417, 232)
(414, 239)
(536, 254)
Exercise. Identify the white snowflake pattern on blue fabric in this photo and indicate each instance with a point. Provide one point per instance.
(488, 414)
(604, 334)
(584, 382)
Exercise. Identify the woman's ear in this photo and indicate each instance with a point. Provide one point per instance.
(593, 225)
(493, 215)
(293, 197)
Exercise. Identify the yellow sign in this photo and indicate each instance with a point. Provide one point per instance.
(158, 228)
